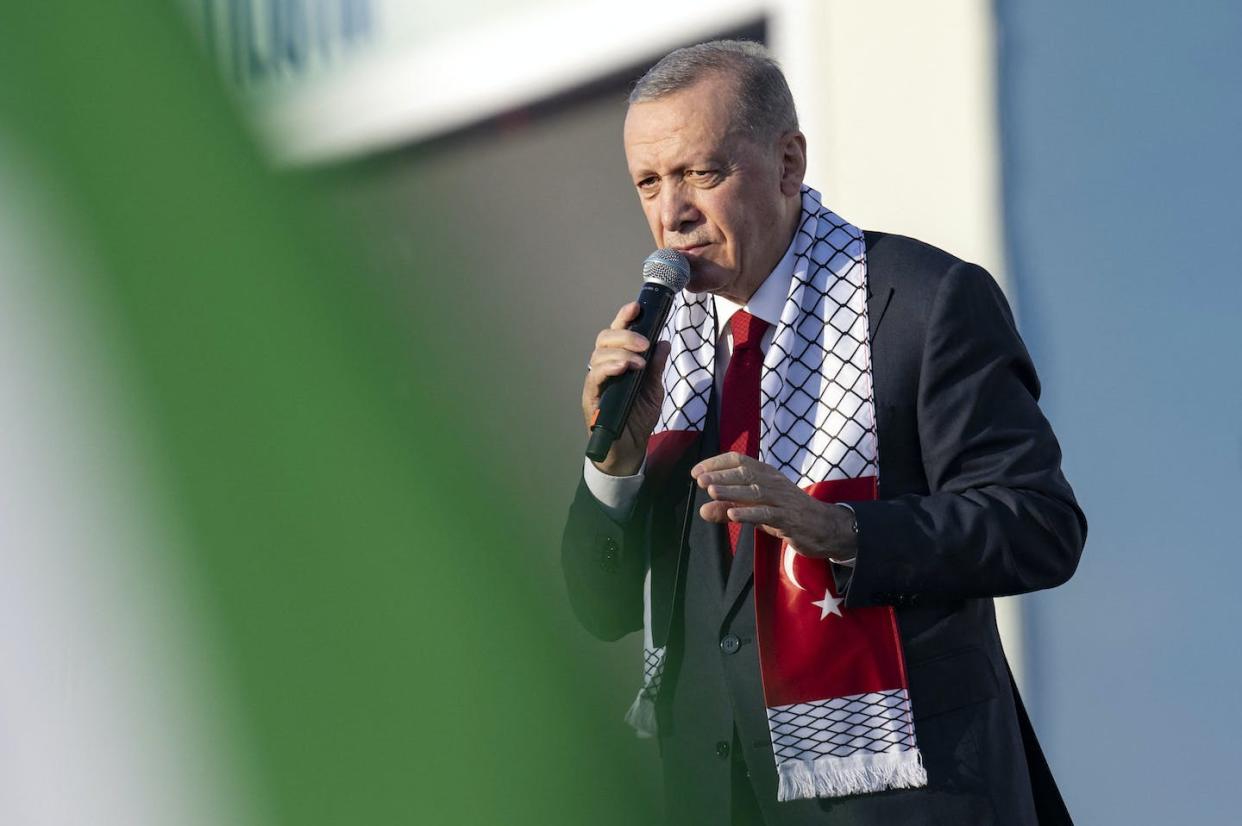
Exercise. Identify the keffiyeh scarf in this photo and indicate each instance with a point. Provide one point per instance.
(834, 678)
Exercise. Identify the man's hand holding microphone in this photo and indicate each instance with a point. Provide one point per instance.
(618, 350)
(621, 400)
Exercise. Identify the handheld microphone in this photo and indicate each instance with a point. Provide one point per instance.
(665, 273)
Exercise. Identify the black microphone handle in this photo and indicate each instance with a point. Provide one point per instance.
(617, 399)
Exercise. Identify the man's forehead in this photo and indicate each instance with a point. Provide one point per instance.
(688, 121)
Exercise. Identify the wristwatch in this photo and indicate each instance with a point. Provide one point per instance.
(853, 516)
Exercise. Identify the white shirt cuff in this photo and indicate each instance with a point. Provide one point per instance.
(615, 494)
(844, 563)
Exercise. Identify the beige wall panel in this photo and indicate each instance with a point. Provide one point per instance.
(898, 101)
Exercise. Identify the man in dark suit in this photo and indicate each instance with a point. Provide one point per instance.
(971, 501)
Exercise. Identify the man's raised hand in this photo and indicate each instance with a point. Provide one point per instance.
(746, 490)
(616, 351)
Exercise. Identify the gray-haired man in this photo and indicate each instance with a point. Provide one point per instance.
(836, 462)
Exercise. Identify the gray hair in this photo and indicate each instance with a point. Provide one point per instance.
(765, 107)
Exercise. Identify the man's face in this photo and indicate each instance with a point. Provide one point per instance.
(709, 190)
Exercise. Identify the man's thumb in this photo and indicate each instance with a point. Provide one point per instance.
(660, 356)
(655, 371)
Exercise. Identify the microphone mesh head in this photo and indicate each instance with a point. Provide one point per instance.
(667, 267)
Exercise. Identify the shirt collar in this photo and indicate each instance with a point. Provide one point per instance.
(768, 301)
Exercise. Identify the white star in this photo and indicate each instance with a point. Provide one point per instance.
(829, 605)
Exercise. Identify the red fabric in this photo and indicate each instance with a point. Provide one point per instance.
(665, 449)
(806, 654)
(739, 400)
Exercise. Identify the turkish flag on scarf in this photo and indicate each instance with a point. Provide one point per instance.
(811, 646)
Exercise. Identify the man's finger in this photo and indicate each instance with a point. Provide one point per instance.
(624, 316)
(615, 366)
(735, 493)
(715, 511)
(722, 462)
(652, 392)
(622, 340)
(739, 475)
(753, 515)
(613, 356)
(659, 356)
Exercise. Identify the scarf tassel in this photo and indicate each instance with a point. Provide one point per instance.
(642, 716)
(856, 774)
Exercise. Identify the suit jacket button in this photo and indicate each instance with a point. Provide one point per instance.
(610, 553)
(729, 643)
(722, 749)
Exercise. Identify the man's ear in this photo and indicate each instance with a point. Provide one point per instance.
(793, 162)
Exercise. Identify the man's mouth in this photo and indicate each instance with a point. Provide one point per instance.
(692, 249)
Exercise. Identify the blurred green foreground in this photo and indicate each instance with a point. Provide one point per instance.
(359, 546)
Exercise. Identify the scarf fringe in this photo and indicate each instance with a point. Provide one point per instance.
(642, 716)
(856, 774)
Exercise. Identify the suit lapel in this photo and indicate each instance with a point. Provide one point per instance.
(709, 552)
(668, 563)
(880, 289)
(669, 569)
(741, 572)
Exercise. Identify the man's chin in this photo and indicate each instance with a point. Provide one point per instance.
(705, 279)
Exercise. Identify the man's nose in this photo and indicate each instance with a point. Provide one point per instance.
(677, 209)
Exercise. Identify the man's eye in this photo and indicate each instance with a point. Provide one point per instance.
(701, 174)
(647, 183)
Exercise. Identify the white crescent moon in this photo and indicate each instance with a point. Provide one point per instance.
(788, 564)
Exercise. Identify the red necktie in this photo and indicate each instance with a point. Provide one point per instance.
(739, 402)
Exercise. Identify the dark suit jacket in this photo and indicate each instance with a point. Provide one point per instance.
(972, 505)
